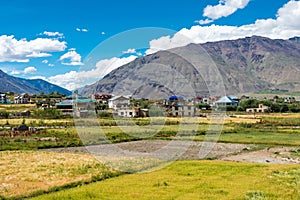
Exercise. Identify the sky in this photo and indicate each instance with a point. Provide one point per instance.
(56, 40)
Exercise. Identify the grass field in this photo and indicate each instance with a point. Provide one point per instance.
(195, 180)
(16, 107)
(269, 129)
(47, 138)
(24, 173)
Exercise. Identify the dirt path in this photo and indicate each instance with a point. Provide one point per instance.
(187, 150)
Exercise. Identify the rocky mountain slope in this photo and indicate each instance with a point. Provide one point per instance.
(20, 85)
(249, 64)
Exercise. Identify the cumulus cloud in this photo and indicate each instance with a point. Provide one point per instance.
(223, 9)
(82, 30)
(102, 33)
(30, 70)
(45, 61)
(51, 65)
(71, 58)
(53, 34)
(284, 26)
(73, 80)
(129, 51)
(13, 50)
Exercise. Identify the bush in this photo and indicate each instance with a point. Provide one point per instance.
(248, 103)
(50, 113)
(104, 114)
(294, 108)
(279, 107)
(231, 108)
(4, 114)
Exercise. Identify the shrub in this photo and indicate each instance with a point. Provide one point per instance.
(104, 114)
(4, 114)
(50, 113)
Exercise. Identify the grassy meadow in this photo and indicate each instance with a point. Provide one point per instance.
(27, 173)
(195, 180)
(268, 129)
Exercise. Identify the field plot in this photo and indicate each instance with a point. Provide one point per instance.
(196, 180)
(24, 173)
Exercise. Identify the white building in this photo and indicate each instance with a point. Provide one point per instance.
(118, 102)
(22, 99)
(261, 109)
(128, 113)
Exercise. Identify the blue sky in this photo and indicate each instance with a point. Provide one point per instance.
(52, 39)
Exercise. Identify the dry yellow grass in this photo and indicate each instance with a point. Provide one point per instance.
(16, 107)
(18, 121)
(25, 172)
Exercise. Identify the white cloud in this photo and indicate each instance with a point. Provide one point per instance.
(129, 51)
(53, 34)
(38, 77)
(51, 65)
(102, 33)
(45, 61)
(13, 50)
(82, 30)
(223, 9)
(15, 72)
(73, 80)
(72, 58)
(206, 21)
(30, 70)
(286, 25)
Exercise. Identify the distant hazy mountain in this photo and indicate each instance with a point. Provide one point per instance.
(250, 64)
(35, 86)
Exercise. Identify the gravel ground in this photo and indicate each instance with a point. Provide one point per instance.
(187, 150)
(275, 155)
(163, 149)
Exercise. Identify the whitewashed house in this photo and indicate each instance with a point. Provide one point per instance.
(118, 102)
(22, 99)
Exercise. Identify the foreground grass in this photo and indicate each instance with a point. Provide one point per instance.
(25, 173)
(196, 180)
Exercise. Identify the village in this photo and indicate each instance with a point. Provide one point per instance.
(76, 105)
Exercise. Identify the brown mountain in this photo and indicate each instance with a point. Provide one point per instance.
(244, 65)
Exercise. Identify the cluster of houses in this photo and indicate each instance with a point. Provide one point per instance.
(174, 106)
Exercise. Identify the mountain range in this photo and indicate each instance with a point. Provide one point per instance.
(245, 65)
(34, 86)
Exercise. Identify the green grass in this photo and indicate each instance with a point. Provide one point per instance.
(48, 138)
(195, 180)
(268, 129)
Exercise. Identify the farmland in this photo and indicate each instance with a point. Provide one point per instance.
(196, 180)
(53, 158)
